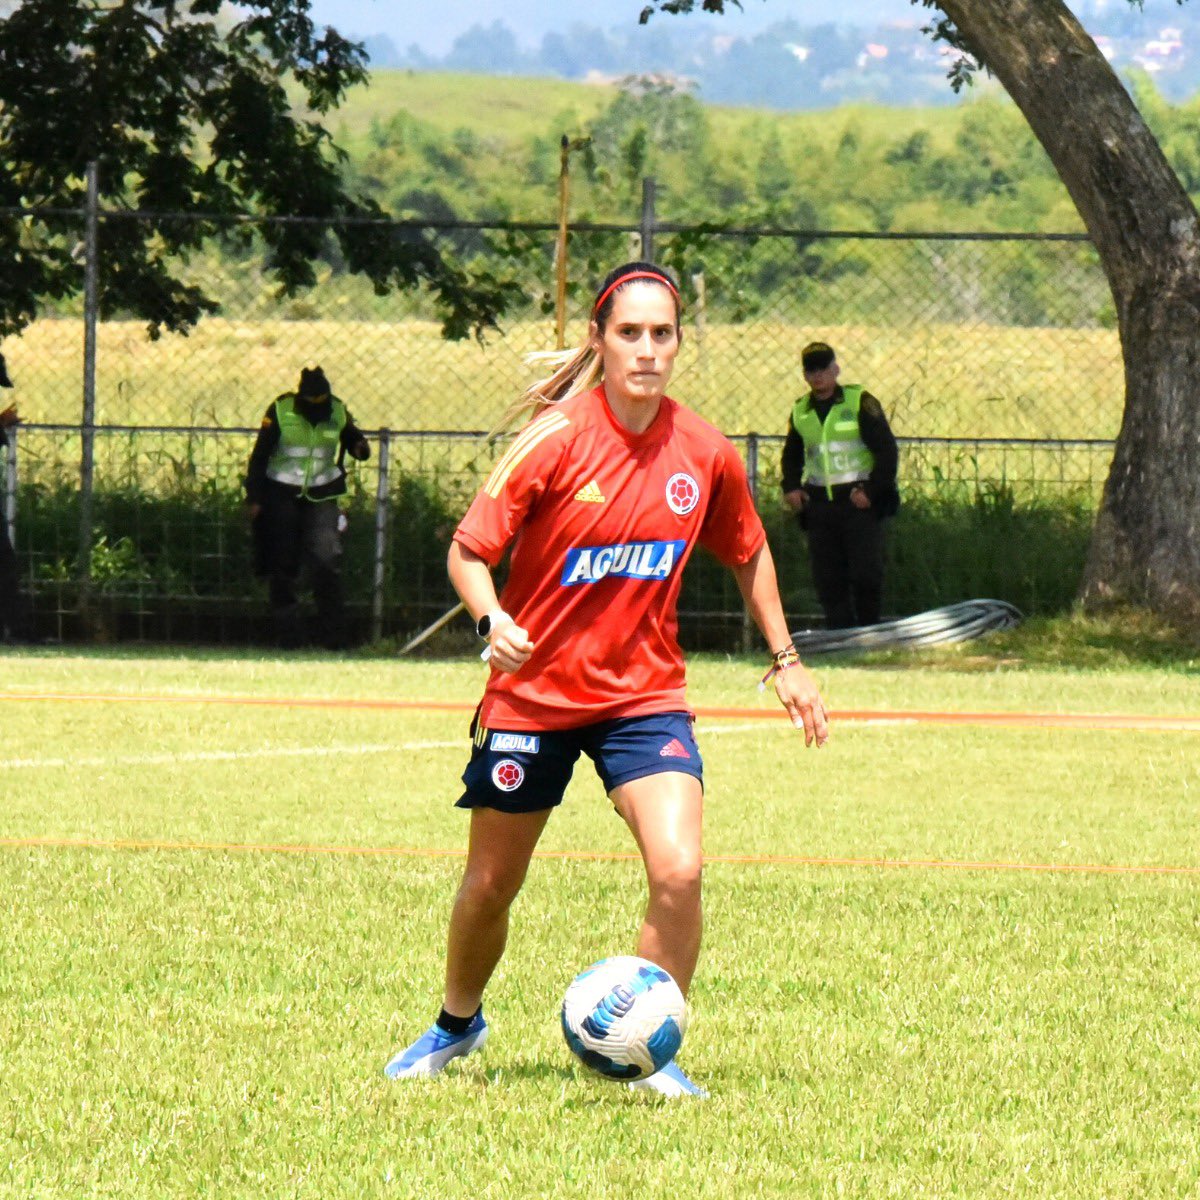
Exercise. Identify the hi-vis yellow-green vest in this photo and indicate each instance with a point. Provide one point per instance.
(834, 451)
(307, 454)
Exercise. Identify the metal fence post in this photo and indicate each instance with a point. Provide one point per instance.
(560, 245)
(87, 425)
(649, 190)
(381, 524)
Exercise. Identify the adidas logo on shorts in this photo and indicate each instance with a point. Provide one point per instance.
(674, 749)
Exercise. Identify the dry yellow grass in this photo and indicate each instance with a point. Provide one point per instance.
(944, 380)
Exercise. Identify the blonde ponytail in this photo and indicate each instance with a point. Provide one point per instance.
(571, 372)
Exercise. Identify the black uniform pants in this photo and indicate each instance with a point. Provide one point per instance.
(845, 548)
(303, 534)
(14, 612)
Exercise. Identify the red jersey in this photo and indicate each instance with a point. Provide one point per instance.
(601, 523)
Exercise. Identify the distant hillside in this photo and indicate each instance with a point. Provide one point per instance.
(447, 146)
(792, 64)
(503, 107)
(471, 147)
(434, 27)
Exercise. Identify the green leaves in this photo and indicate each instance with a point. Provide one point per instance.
(684, 6)
(187, 111)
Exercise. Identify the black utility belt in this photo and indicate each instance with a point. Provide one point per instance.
(841, 491)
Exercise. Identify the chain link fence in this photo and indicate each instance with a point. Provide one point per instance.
(995, 357)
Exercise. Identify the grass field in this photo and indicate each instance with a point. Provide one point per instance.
(207, 1022)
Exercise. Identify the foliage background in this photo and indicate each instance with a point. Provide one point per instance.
(424, 147)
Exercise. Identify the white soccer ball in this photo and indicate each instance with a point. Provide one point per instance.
(624, 1017)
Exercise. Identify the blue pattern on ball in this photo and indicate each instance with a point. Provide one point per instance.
(598, 1062)
(610, 1008)
(664, 1043)
(620, 1000)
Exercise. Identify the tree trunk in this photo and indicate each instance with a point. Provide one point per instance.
(1146, 544)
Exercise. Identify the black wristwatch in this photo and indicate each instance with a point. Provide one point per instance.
(487, 622)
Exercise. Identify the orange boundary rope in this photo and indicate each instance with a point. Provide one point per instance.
(1025, 720)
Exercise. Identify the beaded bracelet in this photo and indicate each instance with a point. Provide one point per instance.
(789, 656)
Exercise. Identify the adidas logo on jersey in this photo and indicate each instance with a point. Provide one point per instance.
(590, 493)
(674, 749)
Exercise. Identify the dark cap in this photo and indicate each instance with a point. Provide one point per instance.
(816, 356)
(312, 383)
(4, 379)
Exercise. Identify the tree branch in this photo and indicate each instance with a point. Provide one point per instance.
(682, 7)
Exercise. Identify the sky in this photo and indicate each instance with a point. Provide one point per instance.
(434, 27)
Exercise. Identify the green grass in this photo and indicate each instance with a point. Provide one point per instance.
(517, 108)
(204, 1023)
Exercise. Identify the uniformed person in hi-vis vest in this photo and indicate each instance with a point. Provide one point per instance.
(839, 478)
(16, 624)
(293, 482)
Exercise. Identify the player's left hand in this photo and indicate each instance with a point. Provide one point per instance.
(797, 692)
(859, 498)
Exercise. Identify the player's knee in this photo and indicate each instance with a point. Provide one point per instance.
(675, 874)
(491, 888)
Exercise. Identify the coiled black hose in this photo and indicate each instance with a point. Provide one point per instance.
(940, 626)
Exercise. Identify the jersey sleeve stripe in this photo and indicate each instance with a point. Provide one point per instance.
(528, 441)
(533, 428)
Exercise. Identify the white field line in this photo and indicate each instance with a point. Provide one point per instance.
(196, 756)
(166, 759)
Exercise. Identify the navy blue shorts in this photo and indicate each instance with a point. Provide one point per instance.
(521, 771)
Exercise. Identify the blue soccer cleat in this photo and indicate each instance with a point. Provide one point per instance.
(670, 1081)
(430, 1053)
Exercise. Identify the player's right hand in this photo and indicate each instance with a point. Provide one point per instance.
(511, 647)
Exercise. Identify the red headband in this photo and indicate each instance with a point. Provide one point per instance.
(612, 287)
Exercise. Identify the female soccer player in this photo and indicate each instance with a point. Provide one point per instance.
(602, 496)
